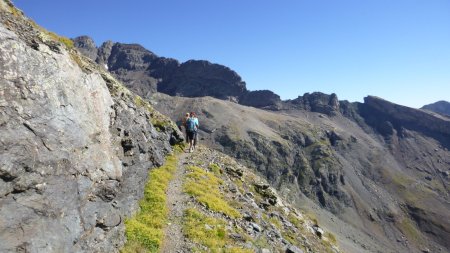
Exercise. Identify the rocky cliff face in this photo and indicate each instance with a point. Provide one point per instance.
(442, 107)
(76, 146)
(317, 102)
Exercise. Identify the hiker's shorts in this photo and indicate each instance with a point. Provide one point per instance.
(191, 135)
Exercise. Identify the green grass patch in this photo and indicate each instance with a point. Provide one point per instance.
(261, 242)
(214, 168)
(145, 229)
(411, 232)
(66, 41)
(274, 220)
(133, 247)
(204, 186)
(295, 220)
(291, 237)
(208, 232)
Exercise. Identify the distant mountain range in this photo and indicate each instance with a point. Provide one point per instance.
(146, 73)
(442, 107)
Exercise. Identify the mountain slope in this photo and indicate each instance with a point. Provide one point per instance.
(76, 145)
(387, 180)
(442, 107)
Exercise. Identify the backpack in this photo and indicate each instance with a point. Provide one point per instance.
(190, 125)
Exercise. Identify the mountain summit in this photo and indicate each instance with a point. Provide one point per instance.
(442, 107)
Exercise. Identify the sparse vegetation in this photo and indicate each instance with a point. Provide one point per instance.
(276, 222)
(331, 238)
(76, 58)
(295, 220)
(312, 217)
(214, 168)
(14, 10)
(66, 41)
(159, 121)
(145, 229)
(208, 232)
(291, 237)
(204, 186)
(406, 226)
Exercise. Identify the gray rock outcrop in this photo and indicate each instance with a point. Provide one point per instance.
(202, 78)
(261, 99)
(76, 146)
(317, 102)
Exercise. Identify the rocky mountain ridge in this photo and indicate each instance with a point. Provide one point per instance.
(146, 73)
(442, 107)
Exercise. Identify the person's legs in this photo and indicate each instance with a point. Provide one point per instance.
(191, 146)
(195, 139)
(191, 140)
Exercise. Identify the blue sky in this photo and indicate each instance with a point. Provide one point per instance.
(398, 50)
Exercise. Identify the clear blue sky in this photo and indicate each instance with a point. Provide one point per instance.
(395, 49)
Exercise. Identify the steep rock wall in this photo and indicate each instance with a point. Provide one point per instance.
(75, 145)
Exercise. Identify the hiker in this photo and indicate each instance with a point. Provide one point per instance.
(194, 116)
(192, 128)
(184, 120)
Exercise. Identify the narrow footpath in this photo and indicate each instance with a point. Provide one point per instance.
(174, 241)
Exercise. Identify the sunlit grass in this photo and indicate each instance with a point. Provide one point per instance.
(208, 232)
(204, 186)
(145, 230)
